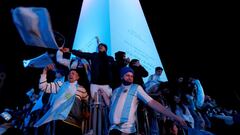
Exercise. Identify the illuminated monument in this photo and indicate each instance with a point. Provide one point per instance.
(120, 24)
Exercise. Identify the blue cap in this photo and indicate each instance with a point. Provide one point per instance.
(124, 70)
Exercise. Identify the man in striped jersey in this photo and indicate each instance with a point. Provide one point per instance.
(66, 108)
(124, 102)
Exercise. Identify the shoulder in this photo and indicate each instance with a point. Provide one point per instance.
(110, 58)
(139, 87)
(116, 90)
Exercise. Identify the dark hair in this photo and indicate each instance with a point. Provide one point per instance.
(102, 44)
(119, 55)
(158, 68)
(132, 62)
(169, 126)
(77, 70)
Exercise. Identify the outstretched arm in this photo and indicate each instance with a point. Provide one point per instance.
(61, 60)
(160, 108)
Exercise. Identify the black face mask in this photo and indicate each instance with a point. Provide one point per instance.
(126, 83)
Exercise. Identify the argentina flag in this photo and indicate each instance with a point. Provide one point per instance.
(39, 61)
(34, 26)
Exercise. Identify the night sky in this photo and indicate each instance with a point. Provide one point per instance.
(193, 39)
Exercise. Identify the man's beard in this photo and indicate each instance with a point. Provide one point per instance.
(126, 83)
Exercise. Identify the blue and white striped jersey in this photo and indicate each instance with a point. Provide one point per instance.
(123, 107)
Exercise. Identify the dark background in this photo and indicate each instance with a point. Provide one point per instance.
(193, 39)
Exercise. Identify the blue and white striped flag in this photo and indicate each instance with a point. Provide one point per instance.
(38, 62)
(62, 105)
(39, 104)
(30, 92)
(34, 26)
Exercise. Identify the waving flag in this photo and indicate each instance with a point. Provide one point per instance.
(39, 104)
(38, 62)
(30, 92)
(34, 26)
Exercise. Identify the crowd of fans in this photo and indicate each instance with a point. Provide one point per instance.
(101, 77)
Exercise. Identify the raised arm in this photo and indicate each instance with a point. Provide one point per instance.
(61, 60)
(81, 54)
(52, 87)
